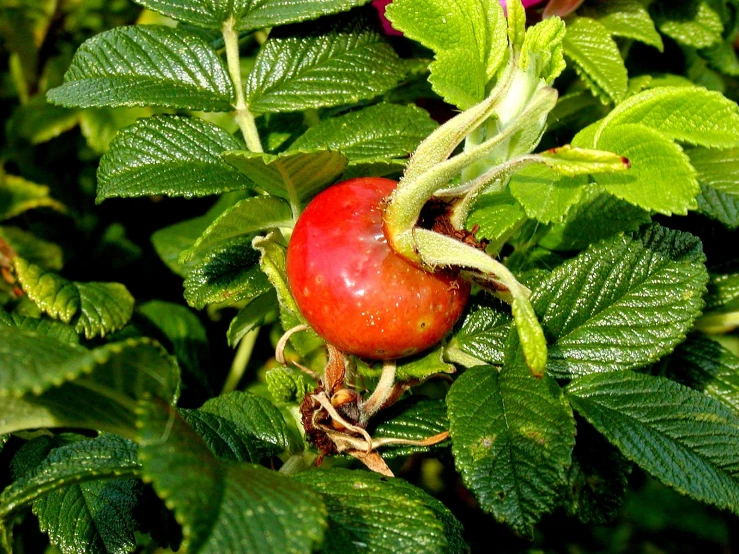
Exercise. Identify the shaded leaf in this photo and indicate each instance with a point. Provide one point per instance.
(33, 249)
(18, 195)
(414, 418)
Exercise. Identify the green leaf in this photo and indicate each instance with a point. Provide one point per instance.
(690, 22)
(331, 63)
(367, 512)
(542, 52)
(224, 507)
(495, 215)
(272, 262)
(688, 114)
(18, 195)
(718, 175)
(484, 330)
(146, 65)
(467, 34)
(286, 385)
(414, 418)
(252, 316)
(293, 176)
(41, 327)
(80, 388)
(660, 178)
(94, 309)
(622, 303)
(598, 216)
(38, 121)
(248, 15)
(722, 289)
(378, 132)
(33, 249)
(580, 161)
(101, 125)
(678, 435)
(170, 242)
(596, 58)
(512, 440)
(703, 364)
(169, 155)
(545, 194)
(184, 332)
(627, 19)
(251, 215)
(722, 57)
(229, 272)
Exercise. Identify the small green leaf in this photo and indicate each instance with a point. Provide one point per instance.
(495, 215)
(545, 194)
(33, 249)
(224, 507)
(94, 309)
(718, 174)
(293, 176)
(252, 316)
(378, 132)
(678, 435)
(467, 34)
(251, 215)
(272, 261)
(229, 272)
(169, 155)
(382, 515)
(80, 388)
(690, 22)
(687, 114)
(655, 160)
(247, 14)
(484, 331)
(622, 303)
(414, 418)
(331, 63)
(596, 58)
(512, 440)
(542, 52)
(18, 195)
(146, 65)
(598, 216)
(286, 385)
(703, 364)
(170, 242)
(101, 125)
(627, 19)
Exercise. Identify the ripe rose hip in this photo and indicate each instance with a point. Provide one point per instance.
(357, 293)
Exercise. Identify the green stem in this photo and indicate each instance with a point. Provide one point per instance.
(241, 360)
(242, 114)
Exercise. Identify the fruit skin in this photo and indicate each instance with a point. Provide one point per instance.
(357, 293)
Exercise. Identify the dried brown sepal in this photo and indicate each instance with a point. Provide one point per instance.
(436, 216)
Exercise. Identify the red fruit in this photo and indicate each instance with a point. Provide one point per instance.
(357, 293)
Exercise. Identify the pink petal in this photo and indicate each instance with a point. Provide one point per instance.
(561, 8)
(380, 5)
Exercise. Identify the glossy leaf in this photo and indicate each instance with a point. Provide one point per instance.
(692, 22)
(169, 155)
(146, 65)
(622, 303)
(678, 435)
(411, 419)
(484, 331)
(331, 63)
(224, 507)
(628, 19)
(41, 327)
(495, 215)
(544, 194)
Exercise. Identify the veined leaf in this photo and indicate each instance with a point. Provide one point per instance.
(545, 194)
(542, 52)
(331, 63)
(293, 176)
(512, 440)
(622, 303)
(484, 331)
(679, 436)
(596, 58)
(146, 65)
(378, 132)
(41, 327)
(286, 384)
(224, 507)
(94, 309)
(169, 155)
(722, 289)
(92, 389)
(660, 178)
(705, 365)
(688, 114)
(382, 515)
(628, 19)
(248, 15)
(18, 195)
(495, 214)
(78, 504)
(229, 272)
(33, 249)
(719, 179)
(467, 34)
(251, 215)
(411, 419)
(690, 22)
